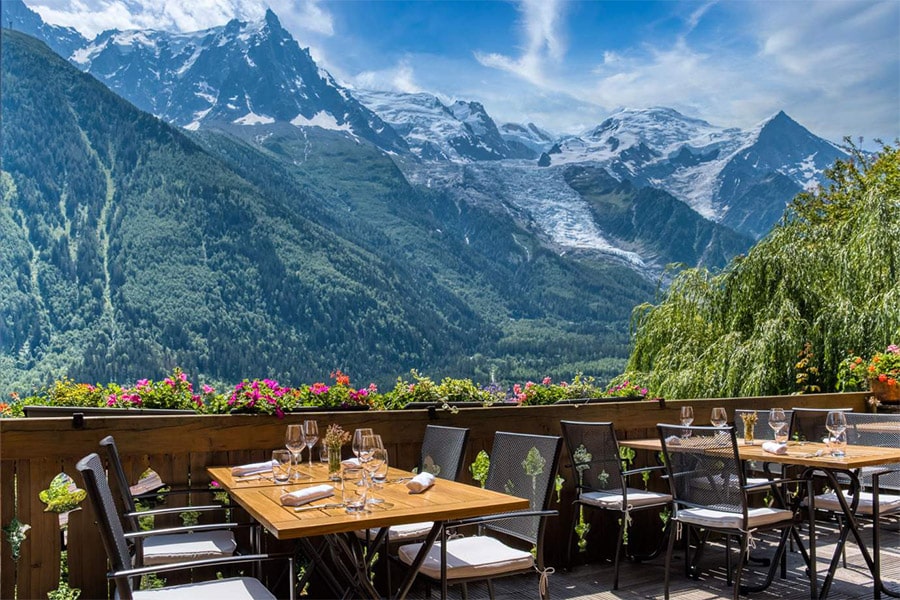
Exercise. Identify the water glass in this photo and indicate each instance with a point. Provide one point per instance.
(718, 417)
(837, 444)
(282, 466)
(353, 488)
(323, 452)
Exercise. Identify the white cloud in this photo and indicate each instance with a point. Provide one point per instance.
(91, 17)
(400, 78)
(541, 25)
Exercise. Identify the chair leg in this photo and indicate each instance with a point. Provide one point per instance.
(575, 511)
(745, 547)
(671, 546)
(490, 586)
(619, 541)
(729, 580)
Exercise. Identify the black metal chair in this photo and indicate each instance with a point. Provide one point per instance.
(602, 481)
(195, 542)
(124, 572)
(710, 494)
(866, 494)
(808, 424)
(523, 465)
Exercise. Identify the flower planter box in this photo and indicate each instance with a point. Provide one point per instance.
(68, 411)
(885, 392)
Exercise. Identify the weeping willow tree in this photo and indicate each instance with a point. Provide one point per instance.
(826, 280)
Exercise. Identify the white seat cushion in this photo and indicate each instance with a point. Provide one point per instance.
(234, 588)
(406, 531)
(888, 503)
(756, 517)
(470, 557)
(180, 547)
(636, 498)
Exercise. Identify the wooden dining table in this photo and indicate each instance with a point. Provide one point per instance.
(444, 501)
(815, 457)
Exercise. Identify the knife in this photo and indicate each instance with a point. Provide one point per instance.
(315, 506)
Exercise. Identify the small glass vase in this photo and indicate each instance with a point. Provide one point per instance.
(334, 463)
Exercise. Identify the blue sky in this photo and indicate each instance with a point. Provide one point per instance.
(833, 65)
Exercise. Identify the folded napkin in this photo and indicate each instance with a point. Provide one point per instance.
(774, 448)
(673, 440)
(351, 462)
(307, 495)
(420, 482)
(252, 468)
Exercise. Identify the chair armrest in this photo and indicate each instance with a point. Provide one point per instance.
(644, 470)
(501, 517)
(771, 482)
(174, 510)
(195, 564)
(185, 529)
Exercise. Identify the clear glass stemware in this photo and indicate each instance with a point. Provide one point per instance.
(836, 424)
(311, 436)
(718, 417)
(778, 423)
(294, 441)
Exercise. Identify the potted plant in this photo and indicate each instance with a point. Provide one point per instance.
(883, 372)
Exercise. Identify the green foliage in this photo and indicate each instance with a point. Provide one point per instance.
(15, 533)
(827, 275)
(64, 592)
(479, 468)
(62, 495)
(128, 247)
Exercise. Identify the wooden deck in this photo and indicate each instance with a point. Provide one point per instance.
(645, 580)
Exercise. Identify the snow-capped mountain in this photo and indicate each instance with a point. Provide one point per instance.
(742, 178)
(461, 131)
(63, 40)
(529, 135)
(250, 74)
(242, 73)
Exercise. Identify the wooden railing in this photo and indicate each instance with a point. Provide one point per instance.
(34, 450)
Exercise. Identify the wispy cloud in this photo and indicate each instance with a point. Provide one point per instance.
(543, 42)
(400, 78)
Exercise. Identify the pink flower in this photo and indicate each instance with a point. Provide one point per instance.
(894, 349)
(529, 385)
(143, 384)
(318, 388)
(182, 376)
(517, 389)
(169, 382)
(373, 389)
(111, 400)
(208, 389)
(546, 381)
(563, 384)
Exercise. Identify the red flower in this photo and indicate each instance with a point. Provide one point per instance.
(882, 378)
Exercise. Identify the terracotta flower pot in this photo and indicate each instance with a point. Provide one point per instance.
(885, 392)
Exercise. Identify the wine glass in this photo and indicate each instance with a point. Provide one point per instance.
(718, 417)
(295, 441)
(836, 424)
(778, 423)
(357, 438)
(311, 435)
(687, 418)
(372, 457)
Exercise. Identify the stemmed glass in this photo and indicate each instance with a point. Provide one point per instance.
(295, 441)
(836, 424)
(311, 436)
(778, 423)
(358, 437)
(687, 418)
(372, 456)
(718, 417)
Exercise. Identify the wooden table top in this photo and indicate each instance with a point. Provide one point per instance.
(445, 500)
(806, 454)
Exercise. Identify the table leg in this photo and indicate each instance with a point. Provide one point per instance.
(420, 558)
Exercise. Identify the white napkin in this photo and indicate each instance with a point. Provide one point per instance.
(673, 440)
(351, 462)
(774, 448)
(420, 482)
(252, 468)
(307, 495)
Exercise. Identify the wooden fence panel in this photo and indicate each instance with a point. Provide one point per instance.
(179, 447)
